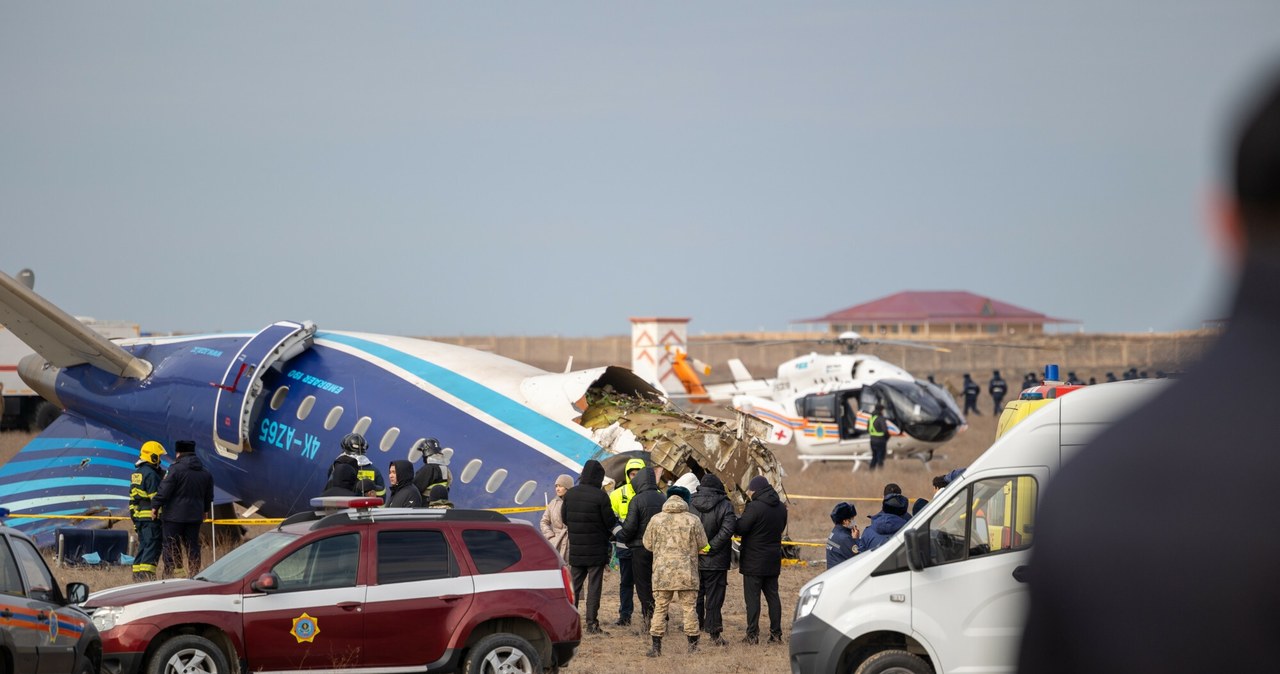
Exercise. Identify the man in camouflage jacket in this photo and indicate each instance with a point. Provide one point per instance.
(675, 537)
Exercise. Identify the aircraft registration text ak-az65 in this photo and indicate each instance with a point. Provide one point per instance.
(267, 411)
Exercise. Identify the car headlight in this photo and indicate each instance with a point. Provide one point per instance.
(808, 599)
(105, 617)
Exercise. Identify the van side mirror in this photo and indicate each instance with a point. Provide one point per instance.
(77, 593)
(268, 582)
(917, 547)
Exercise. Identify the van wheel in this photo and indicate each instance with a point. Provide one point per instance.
(501, 653)
(894, 662)
(188, 654)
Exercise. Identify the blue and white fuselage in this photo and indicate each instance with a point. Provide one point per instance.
(511, 426)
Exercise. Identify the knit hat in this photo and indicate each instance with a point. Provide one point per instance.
(565, 481)
(895, 504)
(757, 483)
(184, 447)
(677, 490)
(918, 506)
(843, 511)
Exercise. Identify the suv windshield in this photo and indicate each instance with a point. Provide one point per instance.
(239, 561)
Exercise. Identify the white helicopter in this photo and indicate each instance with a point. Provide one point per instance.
(824, 401)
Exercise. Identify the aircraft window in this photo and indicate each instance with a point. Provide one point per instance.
(278, 399)
(526, 490)
(362, 426)
(495, 480)
(447, 453)
(304, 409)
(332, 420)
(818, 406)
(469, 472)
(389, 439)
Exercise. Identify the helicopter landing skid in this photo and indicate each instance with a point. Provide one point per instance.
(858, 460)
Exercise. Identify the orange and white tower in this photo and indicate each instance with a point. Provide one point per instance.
(650, 357)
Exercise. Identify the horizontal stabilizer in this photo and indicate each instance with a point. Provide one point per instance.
(58, 337)
(739, 371)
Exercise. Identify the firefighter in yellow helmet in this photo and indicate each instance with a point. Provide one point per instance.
(143, 485)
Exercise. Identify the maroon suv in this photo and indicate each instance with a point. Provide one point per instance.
(367, 588)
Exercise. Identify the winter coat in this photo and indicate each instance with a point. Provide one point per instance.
(589, 518)
(621, 497)
(404, 494)
(144, 483)
(841, 545)
(186, 492)
(431, 473)
(342, 481)
(715, 511)
(883, 526)
(674, 537)
(761, 526)
(647, 502)
(553, 528)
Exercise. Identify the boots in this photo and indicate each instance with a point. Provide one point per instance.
(693, 644)
(718, 640)
(656, 649)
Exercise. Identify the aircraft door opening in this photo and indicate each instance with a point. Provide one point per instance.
(242, 382)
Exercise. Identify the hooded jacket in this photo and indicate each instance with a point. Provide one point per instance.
(621, 497)
(883, 526)
(761, 526)
(713, 508)
(186, 492)
(404, 494)
(342, 481)
(589, 518)
(644, 505)
(674, 537)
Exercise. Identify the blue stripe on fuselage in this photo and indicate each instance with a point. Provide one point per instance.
(516, 415)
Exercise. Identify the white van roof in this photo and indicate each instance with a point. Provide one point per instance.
(1051, 434)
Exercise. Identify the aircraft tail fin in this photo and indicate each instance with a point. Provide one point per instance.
(59, 337)
(739, 371)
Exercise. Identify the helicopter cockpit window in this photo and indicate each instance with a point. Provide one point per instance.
(908, 400)
(818, 406)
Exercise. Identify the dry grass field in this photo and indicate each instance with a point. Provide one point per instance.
(623, 648)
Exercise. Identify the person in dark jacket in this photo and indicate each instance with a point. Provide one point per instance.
(435, 467)
(712, 506)
(342, 481)
(884, 524)
(403, 492)
(760, 556)
(184, 496)
(1122, 597)
(842, 544)
(997, 388)
(438, 497)
(647, 502)
(878, 429)
(971, 391)
(589, 518)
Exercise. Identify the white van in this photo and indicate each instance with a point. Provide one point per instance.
(947, 593)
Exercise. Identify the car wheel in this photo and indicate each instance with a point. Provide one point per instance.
(188, 654)
(87, 667)
(503, 653)
(894, 662)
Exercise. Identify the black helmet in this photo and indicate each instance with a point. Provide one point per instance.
(431, 446)
(354, 443)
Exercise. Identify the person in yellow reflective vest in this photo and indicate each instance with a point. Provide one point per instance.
(879, 432)
(142, 489)
(619, 498)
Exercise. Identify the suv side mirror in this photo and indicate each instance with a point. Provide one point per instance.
(77, 593)
(917, 547)
(268, 582)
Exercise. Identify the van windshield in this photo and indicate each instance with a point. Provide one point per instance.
(243, 559)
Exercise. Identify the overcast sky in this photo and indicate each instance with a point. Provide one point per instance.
(436, 168)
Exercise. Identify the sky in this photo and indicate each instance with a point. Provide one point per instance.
(484, 168)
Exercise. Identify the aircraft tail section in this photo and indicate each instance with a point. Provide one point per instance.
(782, 426)
(74, 467)
(59, 337)
(739, 370)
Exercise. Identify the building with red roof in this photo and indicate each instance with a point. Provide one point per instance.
(934, 313)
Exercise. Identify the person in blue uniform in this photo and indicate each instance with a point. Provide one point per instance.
(842, 544)
(997, 388)
(971, 391)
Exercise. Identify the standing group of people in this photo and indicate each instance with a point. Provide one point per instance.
(353, 474)
(167, 508)
(673, 547)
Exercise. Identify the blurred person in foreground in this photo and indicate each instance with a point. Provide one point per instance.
(1124, 597)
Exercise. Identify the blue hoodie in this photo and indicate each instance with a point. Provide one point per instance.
(883, 527)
